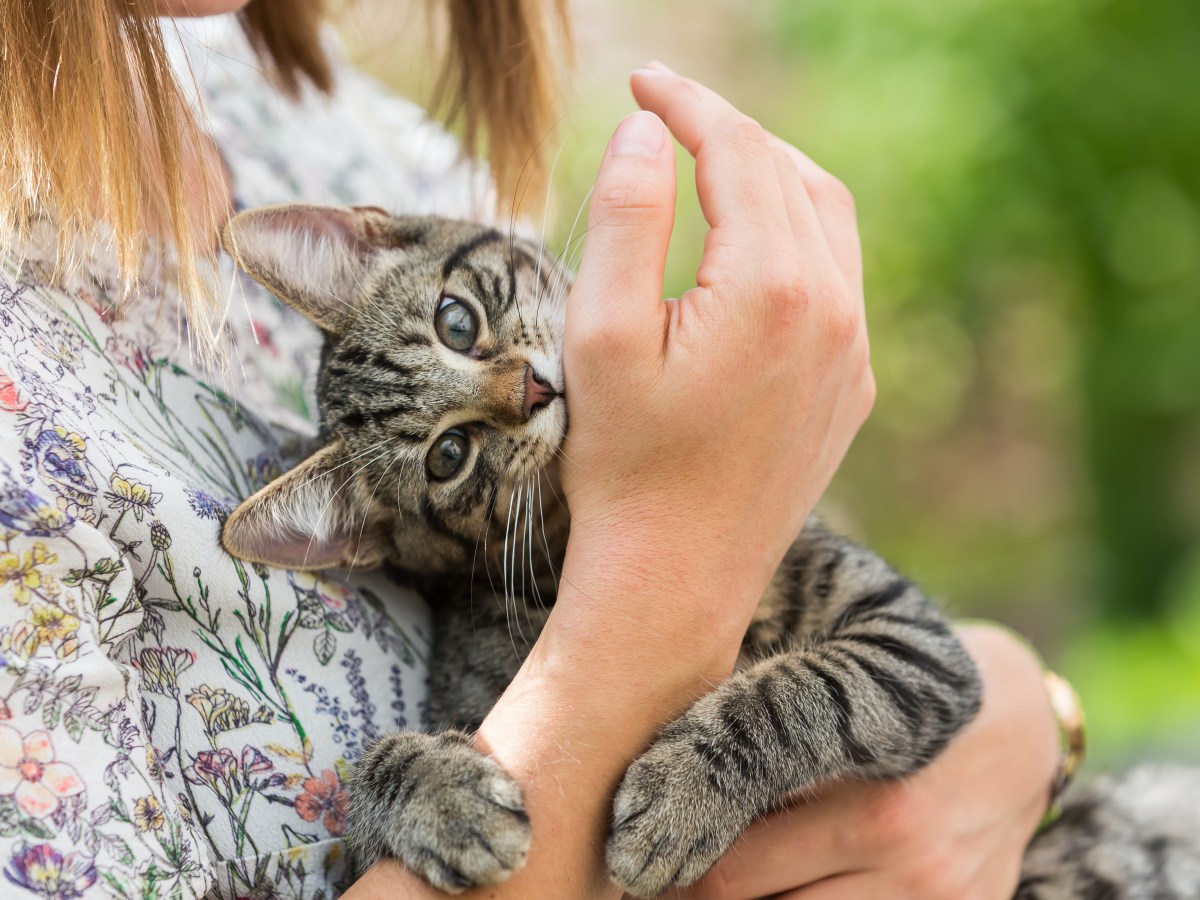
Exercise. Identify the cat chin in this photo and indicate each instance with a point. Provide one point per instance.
(546, 431)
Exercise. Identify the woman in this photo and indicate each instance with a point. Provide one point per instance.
(178, 723)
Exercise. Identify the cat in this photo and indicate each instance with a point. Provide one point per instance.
(442, 410)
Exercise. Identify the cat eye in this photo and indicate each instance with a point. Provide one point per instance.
(447, 455)
(457, 325)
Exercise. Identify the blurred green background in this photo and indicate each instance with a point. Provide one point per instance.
(1028, 182)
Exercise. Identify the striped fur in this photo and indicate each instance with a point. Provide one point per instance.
(1133, 838)
(847, 669)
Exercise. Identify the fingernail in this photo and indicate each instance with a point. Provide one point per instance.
(640, 134)
(660, 67)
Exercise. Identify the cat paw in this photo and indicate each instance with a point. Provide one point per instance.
(671, 821)
(449, 813)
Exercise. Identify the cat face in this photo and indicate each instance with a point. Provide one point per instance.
(440, 389)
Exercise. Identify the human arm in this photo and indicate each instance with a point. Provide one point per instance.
(703, 431)
(956, 829)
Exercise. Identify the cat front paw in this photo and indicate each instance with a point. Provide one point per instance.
(433, 801)
(673, 819)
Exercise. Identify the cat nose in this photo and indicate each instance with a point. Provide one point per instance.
(538, 393)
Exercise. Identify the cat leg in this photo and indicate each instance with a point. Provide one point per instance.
(877, 693)
(433, 801)
(437, 804)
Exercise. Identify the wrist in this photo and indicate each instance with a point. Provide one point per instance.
(686, 576)
(1052, 712)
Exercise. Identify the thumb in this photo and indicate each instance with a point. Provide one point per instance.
(619, 289)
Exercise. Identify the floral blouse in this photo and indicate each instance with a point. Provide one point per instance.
(173, 722)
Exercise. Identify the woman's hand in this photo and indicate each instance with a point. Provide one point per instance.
(955, 830)
(704, 429)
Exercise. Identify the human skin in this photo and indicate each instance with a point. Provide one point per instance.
(607, 672)
(954, 831)
(657, 492)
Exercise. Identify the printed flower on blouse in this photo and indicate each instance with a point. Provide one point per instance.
(60, 343)
(59, 456)
(55, 627)
(21, 574)
(130, 495)
(48, 625)
(325, 796)
(10, 400)
(147, 814)
(26, 513)
(331, 598)
(161, 668)
(30, 773)
(48, 873)
(212, 766)
(205, 505)
(223, 711)
(127, 353)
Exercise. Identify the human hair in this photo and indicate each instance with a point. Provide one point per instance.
(107, 135)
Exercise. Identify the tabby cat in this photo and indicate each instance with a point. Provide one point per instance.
(442, 408)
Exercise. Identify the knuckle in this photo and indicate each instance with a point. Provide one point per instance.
(745, 130)
(622, 203)
(936, 875)
(844, 323)
(890, 817)
(742, 135)
(832, 189)
(869, 393)
(599, 343)
(784, 282)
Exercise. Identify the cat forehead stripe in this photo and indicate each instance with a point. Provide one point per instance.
(455, 259)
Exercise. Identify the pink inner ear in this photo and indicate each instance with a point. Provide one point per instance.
(334, 224)
(292, 551)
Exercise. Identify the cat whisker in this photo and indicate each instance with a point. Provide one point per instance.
(366, 511)
(572, 249)
(527, 556)
(561, 454)
(333, 496)
(516, 545)
(545, 539)
(371, 449)
(482, 535)
(537, 591)
(512, 569)
(537, 279)
(504, 551)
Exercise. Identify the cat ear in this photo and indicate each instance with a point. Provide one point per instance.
(308, 518)
(314, 258)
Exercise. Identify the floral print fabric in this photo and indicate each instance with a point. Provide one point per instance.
(174, 722)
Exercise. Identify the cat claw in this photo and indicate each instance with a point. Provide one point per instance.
(459, 822)
(669, 825)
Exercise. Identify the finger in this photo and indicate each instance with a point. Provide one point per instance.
(735, 167)
(799, 845)
(830, 201)
(620, 282)
(855, 886)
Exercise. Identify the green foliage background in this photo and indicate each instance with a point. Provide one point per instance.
(1028, 180)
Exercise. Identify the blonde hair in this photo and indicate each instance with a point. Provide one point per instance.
(107, 135)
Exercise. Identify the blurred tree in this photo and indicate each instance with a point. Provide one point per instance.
(1110, 122)
(1057, 138)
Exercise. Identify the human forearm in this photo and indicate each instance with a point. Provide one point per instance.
(687, 470)
(585, 703)
(955, 828)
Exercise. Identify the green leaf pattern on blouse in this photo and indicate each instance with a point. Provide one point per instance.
(174, 722)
